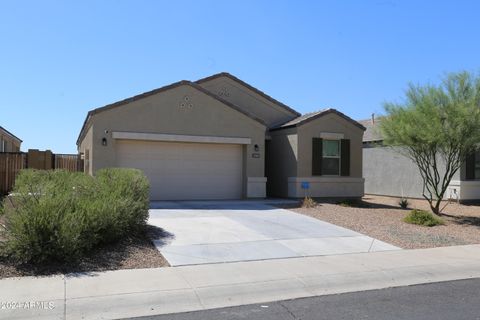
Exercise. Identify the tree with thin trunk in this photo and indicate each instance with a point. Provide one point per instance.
(437, 126)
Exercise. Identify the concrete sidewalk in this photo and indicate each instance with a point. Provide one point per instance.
(133, 293)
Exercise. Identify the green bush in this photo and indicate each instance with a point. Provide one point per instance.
(128, 190)
(423, 218)
(60, 215)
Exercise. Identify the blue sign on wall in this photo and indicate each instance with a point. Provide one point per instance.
(305, 185)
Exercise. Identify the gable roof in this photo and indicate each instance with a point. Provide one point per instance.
(243, 83)
(372, 132)
(10, 134)
(159, 90)
(315, 115)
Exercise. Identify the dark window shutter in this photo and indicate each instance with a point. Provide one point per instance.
(470, 167)
(317, 147)
(345, 157)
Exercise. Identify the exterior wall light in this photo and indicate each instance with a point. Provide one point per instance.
(256, 148)
(104, 141)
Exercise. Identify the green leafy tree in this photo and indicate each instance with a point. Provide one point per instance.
(437, 126)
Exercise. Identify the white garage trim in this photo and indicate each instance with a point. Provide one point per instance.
(178, 138)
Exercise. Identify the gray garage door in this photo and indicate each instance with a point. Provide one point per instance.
(185, 171)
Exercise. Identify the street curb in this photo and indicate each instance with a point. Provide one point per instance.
(145, 292)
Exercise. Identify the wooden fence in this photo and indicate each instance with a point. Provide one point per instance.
(10, 166)
(12, 163)
(69, 162)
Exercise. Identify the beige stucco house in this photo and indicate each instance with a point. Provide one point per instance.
(8, 141)
(220, 138)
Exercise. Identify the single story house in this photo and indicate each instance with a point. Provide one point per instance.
(8, 141)
(221, 138)
(388, 172)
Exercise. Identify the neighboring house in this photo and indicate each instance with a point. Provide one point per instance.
(221, 138)
(8, 141)
(388, 172)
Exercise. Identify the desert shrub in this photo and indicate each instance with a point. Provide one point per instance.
(128, 189)
(308, 203)
(45, 220)
(423, 218)
(403, 203)
(60, 215)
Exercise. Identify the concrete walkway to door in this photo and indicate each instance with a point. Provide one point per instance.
(200, 232)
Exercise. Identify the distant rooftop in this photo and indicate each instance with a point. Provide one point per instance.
(372, 133)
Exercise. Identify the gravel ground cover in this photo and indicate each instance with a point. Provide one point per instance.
(130, 253)
(382, 218)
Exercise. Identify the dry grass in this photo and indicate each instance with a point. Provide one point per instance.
(382, 218)
(130, 253)
(308, 203)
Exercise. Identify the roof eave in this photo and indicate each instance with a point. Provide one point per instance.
(319, 115)
(11, 134)
(338, 113)
(93, 112)
(245, 84)
(84, 129)
(228, 103)
(284, 127)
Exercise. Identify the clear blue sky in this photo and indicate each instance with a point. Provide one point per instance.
(59, 59)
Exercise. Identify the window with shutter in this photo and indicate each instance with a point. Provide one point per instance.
(470, 167)
(345, 159)
(317, 156)
(331, 157)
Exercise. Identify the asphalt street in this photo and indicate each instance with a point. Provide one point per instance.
(454, 300)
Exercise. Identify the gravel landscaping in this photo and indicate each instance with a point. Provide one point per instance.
(382, 218)
(130, 253)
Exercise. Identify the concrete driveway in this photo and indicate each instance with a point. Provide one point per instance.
(200, 232)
